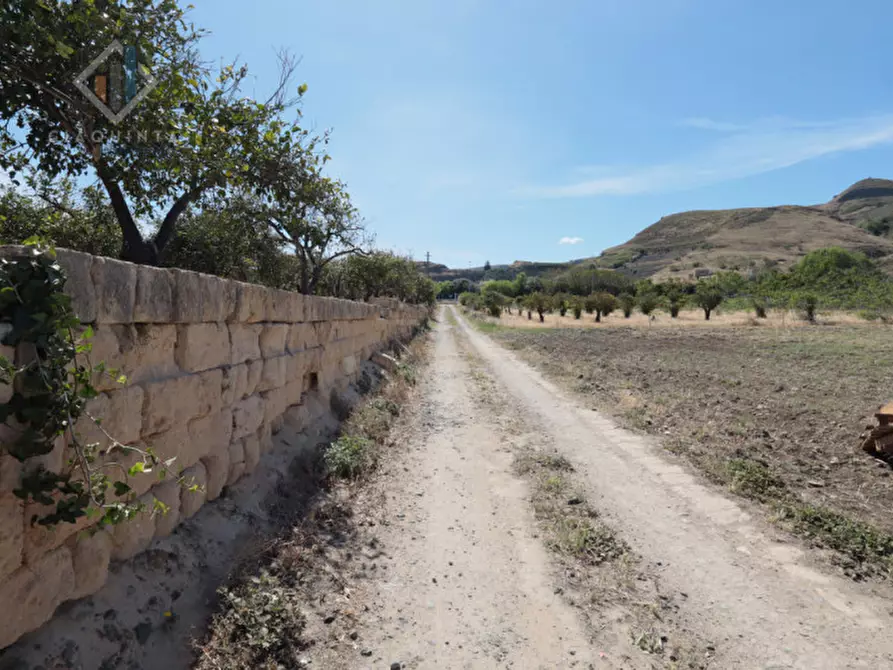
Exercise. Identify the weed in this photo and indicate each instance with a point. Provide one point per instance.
(349, 456)
(869, 547)
(753, 479)
(579, 537)
(554, 484)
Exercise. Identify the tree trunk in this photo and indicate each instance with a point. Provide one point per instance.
(542, 317)
(706, 314)
(598, 317)
(529, 315)
(134, 249)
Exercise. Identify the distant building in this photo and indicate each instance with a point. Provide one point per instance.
(702, 272)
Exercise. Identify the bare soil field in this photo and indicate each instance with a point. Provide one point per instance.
(774, 414)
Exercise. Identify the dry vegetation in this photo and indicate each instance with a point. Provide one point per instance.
(774, 414)
(269, 612)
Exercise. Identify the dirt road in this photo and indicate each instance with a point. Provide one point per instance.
(465, 581)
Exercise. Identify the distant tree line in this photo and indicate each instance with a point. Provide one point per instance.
(832, 278)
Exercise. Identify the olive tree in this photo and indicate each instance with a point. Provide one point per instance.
(708, 296)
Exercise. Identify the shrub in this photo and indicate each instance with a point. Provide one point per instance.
(760, 306)
(647, 302)
(577, 307)
(807, 303)
(675, 298)
(603, 303)
(348, 456)
(708, 296)
(538, 302)
(627, 303)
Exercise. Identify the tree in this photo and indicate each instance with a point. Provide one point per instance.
(647, 302)
(486, 266)
(314, 215)
(675, 297)
(708, 296)
(627, 304)
(61, 216)
(808, 303)
(603, 303)
(494, 302)
(561, 301)
(539, 302)
(577, 307)
(191, 135)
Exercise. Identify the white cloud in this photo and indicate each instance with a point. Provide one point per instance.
(762, 146)
(570, 240)
(704, 123)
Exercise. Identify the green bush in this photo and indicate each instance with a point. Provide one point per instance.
(348, 457)
(647, 302)
(627, 304)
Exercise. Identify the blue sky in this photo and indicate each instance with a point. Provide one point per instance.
(493, 130)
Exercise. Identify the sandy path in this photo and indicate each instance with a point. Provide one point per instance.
(760, 600)
(465, 582)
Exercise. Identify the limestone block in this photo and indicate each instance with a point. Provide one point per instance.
(201, 346)
(134, 535)
(236, 461)
(115, 285)
(187, 296)
(206, 435)
(236, 470)
(141, 353)
(39, 539)
(217, 468)
(255, 372)
(295, 307)
(118, 414)
(217, 298)
(79, 286)
(256, 301)
(167, 493)
(248, 414)
(272, 339)
(176, 401)
(301, 336)
(323, 332)
(275, 403)
(154, 295)
(264, 439)
(12, 533)
(90, 559)
(296, 366)
(31, 594)
(244, 342)
(240, 309)
(251, 448)
(280, 305)
(273, 374)
(235, 383)
(293, 391)
(191, 501)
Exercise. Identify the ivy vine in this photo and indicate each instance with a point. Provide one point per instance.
(52, 381)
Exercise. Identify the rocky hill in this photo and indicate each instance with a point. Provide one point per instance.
(859, 218)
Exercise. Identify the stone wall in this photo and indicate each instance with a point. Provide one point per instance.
(213, 366)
